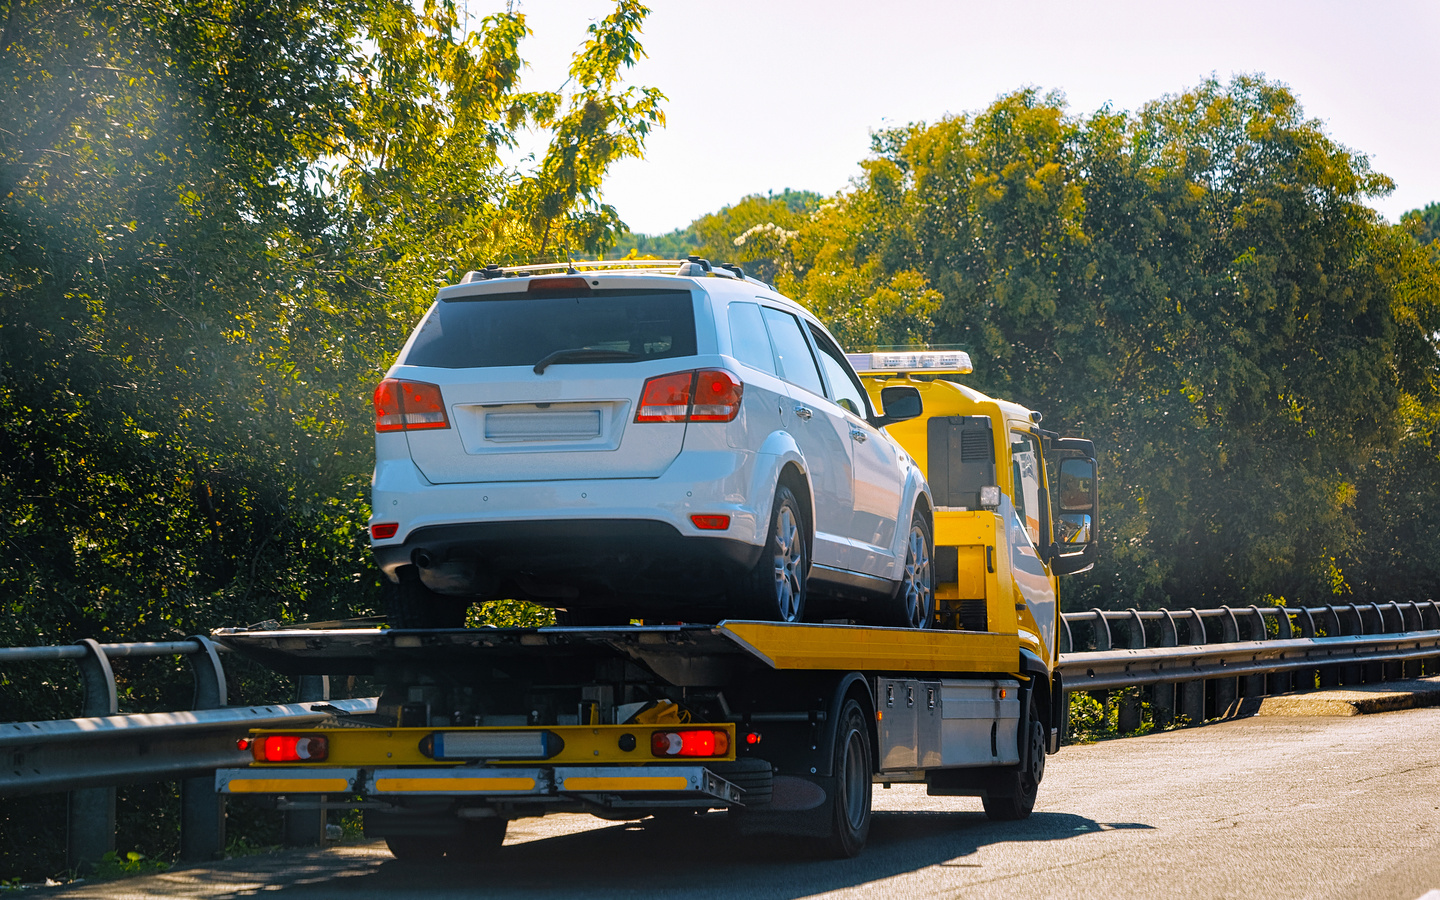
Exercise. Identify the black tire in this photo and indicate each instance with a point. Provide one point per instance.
(913, 605)
(415, 848)
(775, 589)
(756, 777)
(480, 840)
(410, 604)
(850, 785)
(1012, 792)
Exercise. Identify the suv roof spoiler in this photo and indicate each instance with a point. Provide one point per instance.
(693, 267)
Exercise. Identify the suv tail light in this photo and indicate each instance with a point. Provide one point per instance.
(409, 406)
(709, 395)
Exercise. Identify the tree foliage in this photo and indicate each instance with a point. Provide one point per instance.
(219, 219)
(1200, 288)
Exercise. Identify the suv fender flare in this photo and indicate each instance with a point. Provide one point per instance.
(776, 452)
(916, 495)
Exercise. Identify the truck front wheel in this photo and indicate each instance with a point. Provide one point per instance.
(1012, 791)
(850, 786)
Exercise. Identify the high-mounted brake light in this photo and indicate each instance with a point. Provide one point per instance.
(690, 742)
(709, 395)
(290, 748)
(547, 285)
(409, 406)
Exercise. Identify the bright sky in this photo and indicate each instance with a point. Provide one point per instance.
(769, 94)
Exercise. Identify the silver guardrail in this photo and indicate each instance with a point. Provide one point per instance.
(1199, 664)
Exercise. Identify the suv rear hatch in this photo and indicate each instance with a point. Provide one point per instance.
(573, 419)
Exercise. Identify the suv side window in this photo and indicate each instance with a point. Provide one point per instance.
(797, 365)
(748, 341)
(845, 389)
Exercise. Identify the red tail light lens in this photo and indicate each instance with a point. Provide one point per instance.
(717, 396)
(691, 742)
(710, 523)
(290, 748)
(409, 406)
(709, 395)
(666, 398)
(384, 531)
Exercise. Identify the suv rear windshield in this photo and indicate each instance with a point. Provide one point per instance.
(523, 329)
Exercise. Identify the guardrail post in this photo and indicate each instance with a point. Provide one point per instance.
(1128, 717)
(1354, 673)
(91, 814)
(1192, 693)
(1162, 696)
(1260, 685)
(202, 809)
(306, 827)
(1227, 690)
(1331, 676)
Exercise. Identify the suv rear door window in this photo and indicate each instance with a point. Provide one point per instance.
(748, 340)
(522, 329)
(797, 365)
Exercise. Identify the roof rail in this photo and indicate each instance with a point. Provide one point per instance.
(694, 266)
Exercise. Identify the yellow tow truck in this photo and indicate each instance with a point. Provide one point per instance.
(785, 727)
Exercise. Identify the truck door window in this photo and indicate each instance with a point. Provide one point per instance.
(845, 389)
(1025, 472)
(748, 341)
(797, 365)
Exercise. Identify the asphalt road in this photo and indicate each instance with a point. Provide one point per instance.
(1263, 808)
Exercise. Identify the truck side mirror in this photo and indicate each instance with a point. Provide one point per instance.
(901, 403)
(1078, 519)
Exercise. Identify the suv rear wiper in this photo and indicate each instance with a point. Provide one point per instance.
(583, 354)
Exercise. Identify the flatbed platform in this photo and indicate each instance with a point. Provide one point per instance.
(693, 654)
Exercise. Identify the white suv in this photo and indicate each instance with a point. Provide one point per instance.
(668, 440)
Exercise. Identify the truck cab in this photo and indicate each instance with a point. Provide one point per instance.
(1016, 506)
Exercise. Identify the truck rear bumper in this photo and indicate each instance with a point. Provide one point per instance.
(612, 787)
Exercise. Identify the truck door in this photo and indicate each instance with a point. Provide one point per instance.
(1024, 524)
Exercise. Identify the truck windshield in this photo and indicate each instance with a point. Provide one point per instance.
(522, 329)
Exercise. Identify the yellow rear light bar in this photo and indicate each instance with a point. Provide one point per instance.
(550, 744)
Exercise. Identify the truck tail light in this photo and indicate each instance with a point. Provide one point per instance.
(690, 742)
(409, 406)
(709, 395)
(290, 748)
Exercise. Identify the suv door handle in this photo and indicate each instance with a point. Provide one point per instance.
(858, 435)
(804, 412)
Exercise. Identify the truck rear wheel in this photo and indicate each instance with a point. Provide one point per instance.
(1012, 792)
(850, 785)
(775, 589)
(410, 604)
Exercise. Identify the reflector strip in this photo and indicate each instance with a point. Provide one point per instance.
(384, 785)
(667, 783)
(288, 785)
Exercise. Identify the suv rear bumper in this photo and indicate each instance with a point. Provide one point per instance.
(557, 561)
